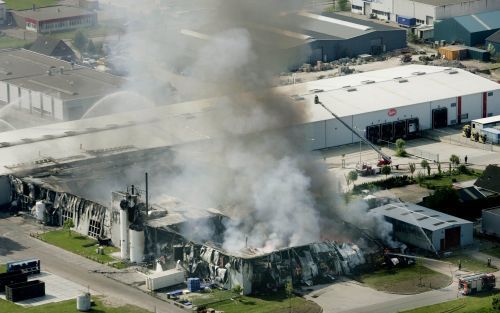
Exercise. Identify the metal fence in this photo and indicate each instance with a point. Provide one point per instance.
(457, 139)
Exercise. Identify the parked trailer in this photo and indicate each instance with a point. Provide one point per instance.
(164, 279)
(475, 283)
(24, 291)
(30, 266)
(12, 278)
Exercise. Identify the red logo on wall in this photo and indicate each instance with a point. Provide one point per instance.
(392, 112)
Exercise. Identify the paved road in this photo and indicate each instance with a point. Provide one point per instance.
(15, 243)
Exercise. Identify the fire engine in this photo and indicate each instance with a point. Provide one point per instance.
(475, 283)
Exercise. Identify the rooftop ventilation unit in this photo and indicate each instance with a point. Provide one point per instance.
(402, 80)
(351, 89)
(418, 73)
(316, 90)
(453, 72)
(297, 97)
(367, 82)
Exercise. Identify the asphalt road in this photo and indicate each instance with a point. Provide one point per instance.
(15, 243)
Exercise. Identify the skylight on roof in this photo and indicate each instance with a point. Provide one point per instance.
(335, 21)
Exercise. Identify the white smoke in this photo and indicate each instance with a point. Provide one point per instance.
(259, 171)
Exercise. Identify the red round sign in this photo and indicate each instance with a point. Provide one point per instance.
(392, 112)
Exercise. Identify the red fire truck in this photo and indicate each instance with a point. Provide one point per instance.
(475, 283)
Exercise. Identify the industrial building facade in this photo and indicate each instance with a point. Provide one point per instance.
(470, 30)
(425, 228)
(420, 12)
(54, 18)
(394, 103)
(490, 222)
(49, 87)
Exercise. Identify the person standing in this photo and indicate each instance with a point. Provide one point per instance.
(465, 159)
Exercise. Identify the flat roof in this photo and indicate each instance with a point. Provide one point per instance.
(495, 211)
(487, 120)
(183, 123)
(419, 216)
(28, 69)
(443, 2)
(53, 12)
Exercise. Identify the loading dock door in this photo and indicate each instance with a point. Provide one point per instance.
(439, 118)
(452, 238)
(368, 8)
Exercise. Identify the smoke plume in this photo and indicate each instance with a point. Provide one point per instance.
(258, 169)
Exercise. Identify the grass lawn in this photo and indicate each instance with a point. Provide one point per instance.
(66, 307)
(274, 303)
(3, 268)
(446, 181)
(78, 244)
(28, 4)
(9, 42)
(406, 280)
(492, 251)
(469, 264)
(471, 304)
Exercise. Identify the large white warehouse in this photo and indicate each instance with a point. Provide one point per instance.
(394, 103)
(421, 11)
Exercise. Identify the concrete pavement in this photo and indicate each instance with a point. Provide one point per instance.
(15, 243)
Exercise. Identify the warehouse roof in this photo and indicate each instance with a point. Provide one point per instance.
(29, 69)
(495, 38)
(53, 12)
(419, 216)
(444, 2)
(490, 179)
(185, 122)
(46, 45)
(480, 22)
(495, 211)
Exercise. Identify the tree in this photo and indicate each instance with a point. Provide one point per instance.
(91, 49)
(343, 5)
(289, 293)
(68, 224)
(412, 167)
(353, 176)
(425, 165)
(80, 40)
(454, 159)
(400, 148)
(386, 170)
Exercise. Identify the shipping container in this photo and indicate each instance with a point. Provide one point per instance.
(23, 291)
(12, 278)
(164, 279)
(478, 54)
(453, 52)
(492, 135)
(406, 21)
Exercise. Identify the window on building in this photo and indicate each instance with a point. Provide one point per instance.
(66, 214)
(356, 7)
(490, 114)
(94, 228)
(453, 105)
(452, 122)
(464, 116)
(420, 21)
(490, 94)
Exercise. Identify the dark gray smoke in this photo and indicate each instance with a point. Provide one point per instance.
(259, 169)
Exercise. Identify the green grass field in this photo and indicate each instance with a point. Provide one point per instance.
(66, 307)
(469, 264)
(78, 244)
(275, 303)
(3, 269)
(493, 251)
(406, 280)
(447, 181)
(470, 304)
(28, 4)
(9, 42)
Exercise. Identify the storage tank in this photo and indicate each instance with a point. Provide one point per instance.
(124, 233)
(39, 211)
(83, 302)
(136, 236)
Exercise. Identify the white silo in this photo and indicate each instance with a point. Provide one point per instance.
(136, 245)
